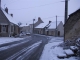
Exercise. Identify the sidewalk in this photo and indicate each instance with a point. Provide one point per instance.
(52, 50)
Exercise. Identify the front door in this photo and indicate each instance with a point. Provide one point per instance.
(58, 33)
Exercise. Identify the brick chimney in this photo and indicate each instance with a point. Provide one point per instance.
(0, 4)
(6, 9)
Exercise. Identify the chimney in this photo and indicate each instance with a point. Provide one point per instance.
(0, 4)
(6, 9)
(11, 15)
(49, 22)
(39, 18)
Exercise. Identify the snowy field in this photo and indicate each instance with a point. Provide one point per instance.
(4, 40)
(52, 50)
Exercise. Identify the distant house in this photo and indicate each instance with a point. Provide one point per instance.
(7, 25)
(50, 29)
(56, 32)
(25, 29)
(72, 26)
(40, 29)
(29, 28)
(39, 21)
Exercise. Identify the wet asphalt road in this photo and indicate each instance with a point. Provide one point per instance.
(26, 49)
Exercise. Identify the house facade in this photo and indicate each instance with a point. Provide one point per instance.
(72, 26)
(7, 27)
(54, 30)
(50, 29)
(40, 29)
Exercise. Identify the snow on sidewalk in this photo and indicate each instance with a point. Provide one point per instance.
(52, 50)
(4, 40)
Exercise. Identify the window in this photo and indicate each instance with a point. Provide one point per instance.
(3, 28)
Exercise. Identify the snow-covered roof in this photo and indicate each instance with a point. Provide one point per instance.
(53, 25)
(9, 17)
(42, 25)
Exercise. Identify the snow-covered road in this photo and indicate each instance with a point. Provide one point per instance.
(27, 51)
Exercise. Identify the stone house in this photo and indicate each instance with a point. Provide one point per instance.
(50, 29)
(55, 32)
(72, 26)
(40, 29)
(7, 25)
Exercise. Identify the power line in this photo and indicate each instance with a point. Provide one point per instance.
(53, 17)
(47, 18)
(38, 6)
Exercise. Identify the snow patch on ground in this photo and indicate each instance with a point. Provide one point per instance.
(52, 50)
(13, 45)
(4, 40)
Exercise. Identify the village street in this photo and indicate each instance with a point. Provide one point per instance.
(30, 48)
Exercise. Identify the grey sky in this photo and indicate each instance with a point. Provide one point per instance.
(25, 10)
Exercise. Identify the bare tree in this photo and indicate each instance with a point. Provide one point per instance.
(19, 24)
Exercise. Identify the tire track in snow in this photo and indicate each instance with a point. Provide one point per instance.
(27, 51)
(13, 45)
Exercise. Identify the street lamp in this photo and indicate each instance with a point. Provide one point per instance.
(33, 25)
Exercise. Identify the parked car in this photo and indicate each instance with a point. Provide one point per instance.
(28, 34)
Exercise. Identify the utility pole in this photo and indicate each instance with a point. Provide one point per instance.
(66, 11)
(56, 25)
(33, 25)
(66, 15)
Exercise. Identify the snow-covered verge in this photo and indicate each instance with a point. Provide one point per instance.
(52, 50)
(4, 40)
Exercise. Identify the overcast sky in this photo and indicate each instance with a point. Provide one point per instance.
(26, 10)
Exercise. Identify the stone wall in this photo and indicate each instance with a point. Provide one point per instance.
(75, 31)
(72, 26)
